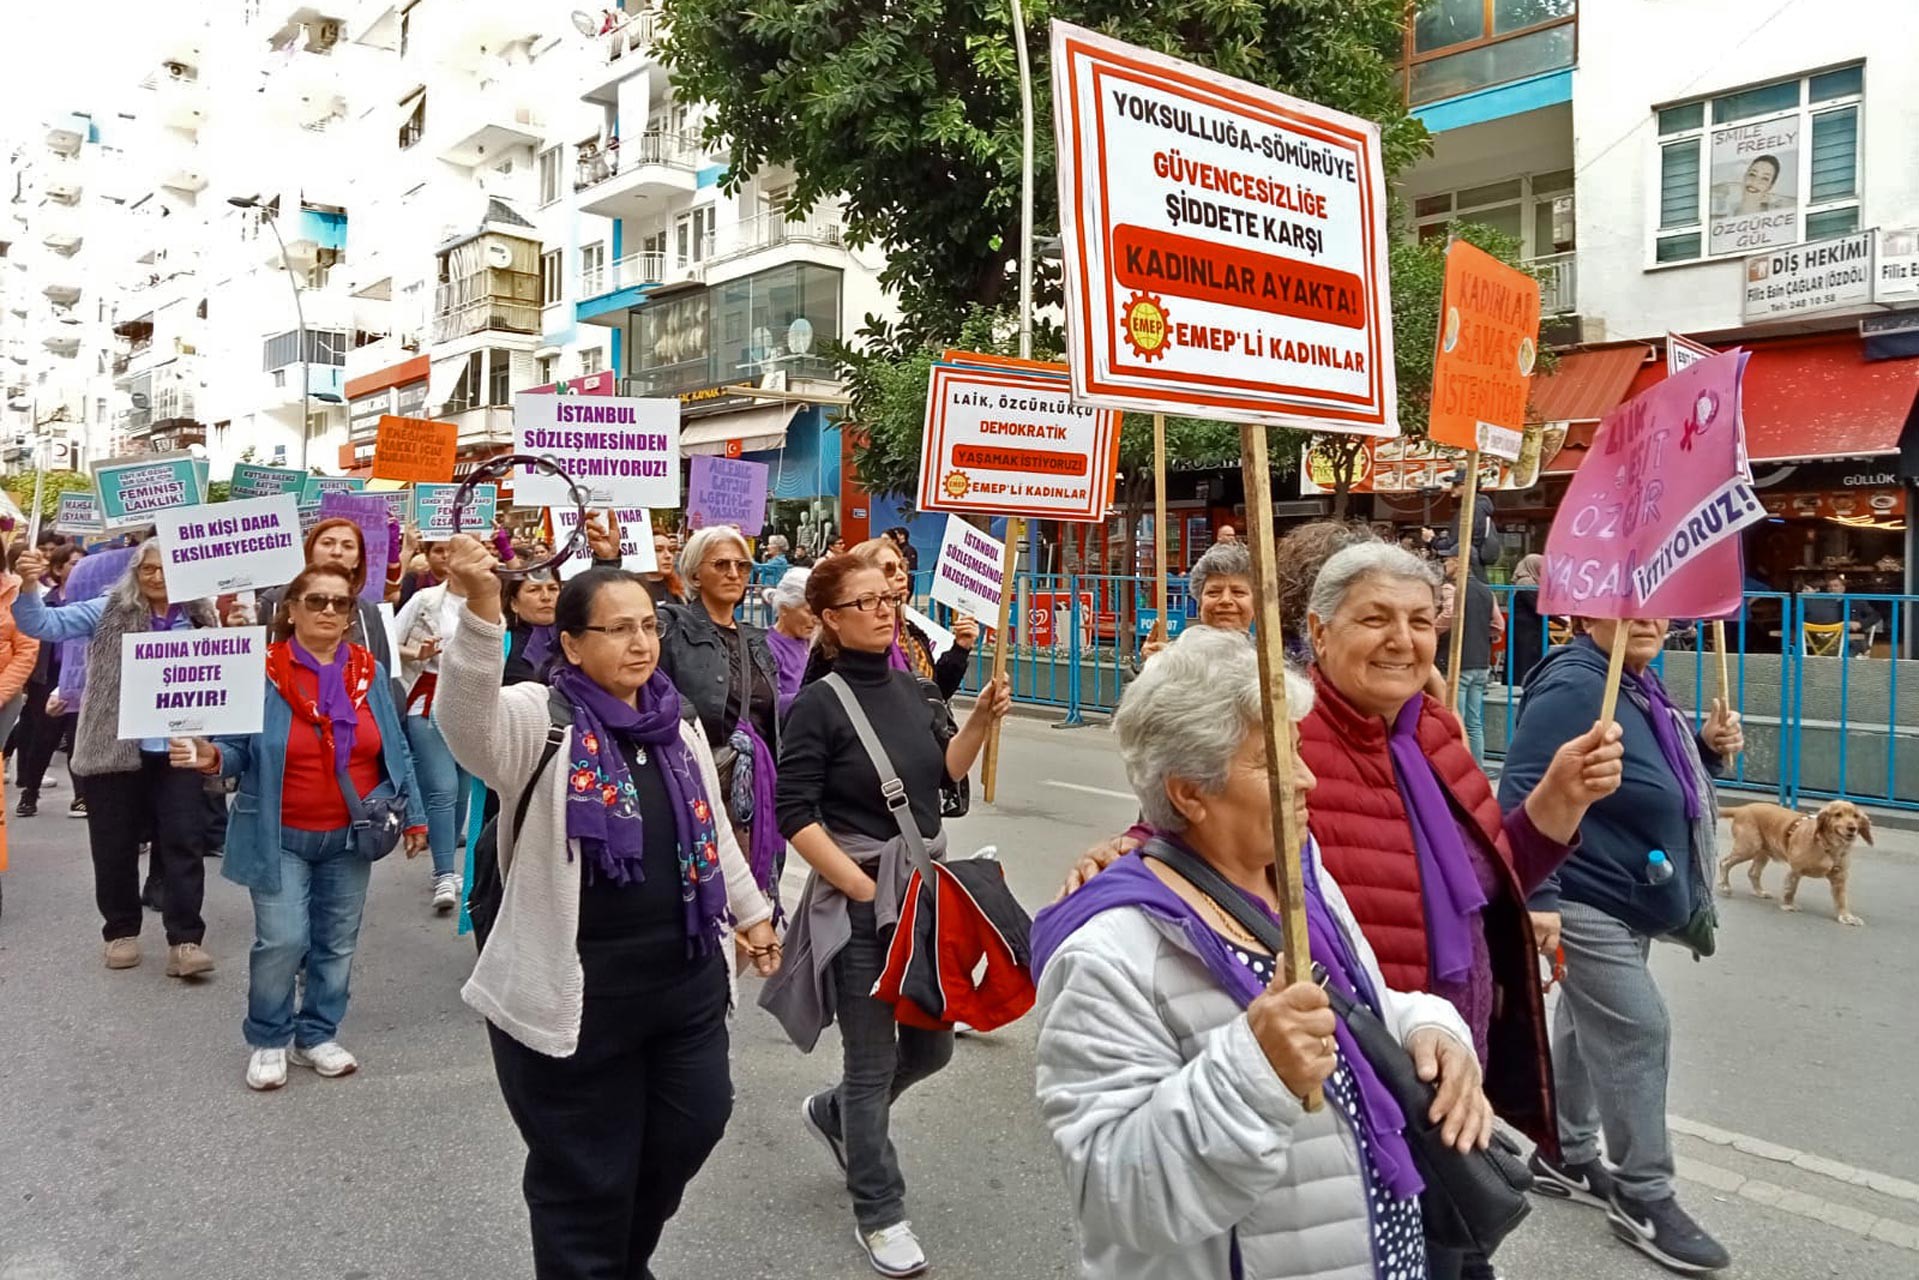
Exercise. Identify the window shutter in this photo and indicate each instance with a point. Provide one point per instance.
(1835, 155)
(1679, 183)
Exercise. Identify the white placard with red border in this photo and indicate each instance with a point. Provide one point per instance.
(1225, 245)
(1007, 442)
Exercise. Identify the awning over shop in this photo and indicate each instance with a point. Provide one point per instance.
(756, 429)
(1805, 398)
(1586, 384)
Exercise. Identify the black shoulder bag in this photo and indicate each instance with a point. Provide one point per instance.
(483, 896)
(376, 821)
(1473, 1199)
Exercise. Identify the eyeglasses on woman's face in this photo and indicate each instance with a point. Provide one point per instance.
(625, 630)
(868, 601)
(321, 602)
(729, 567)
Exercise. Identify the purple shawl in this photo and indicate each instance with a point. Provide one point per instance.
(603, 807)
(789, 657)
(755, 783)
(1662, 714)
(1451, 891)
(1131, 883)
(334, 701)
(540, 644)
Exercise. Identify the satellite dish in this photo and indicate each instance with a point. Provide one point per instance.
(799, 336)
(498, 256)
(585, 23)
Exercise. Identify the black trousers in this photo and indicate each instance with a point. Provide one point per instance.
(615, 1132)
(169, 802)
(40, 736)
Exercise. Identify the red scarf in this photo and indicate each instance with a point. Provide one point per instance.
(359, 678)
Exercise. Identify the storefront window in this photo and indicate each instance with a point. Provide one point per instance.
(672, 354)
(777, 321)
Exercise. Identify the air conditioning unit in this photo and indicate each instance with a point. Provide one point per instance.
(694, 274)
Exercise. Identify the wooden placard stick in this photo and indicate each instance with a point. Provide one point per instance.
(1614, 669)
(1270, 640)
(1002, 646)
(1455, 642)
(1162, 629)
(1725, 666)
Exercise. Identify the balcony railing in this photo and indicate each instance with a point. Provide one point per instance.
(625, 273)
(505, 315)
(1558, 283)
(773, 229)
(622, 155)
(634, 33)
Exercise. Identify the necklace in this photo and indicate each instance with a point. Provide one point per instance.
(1231, 927)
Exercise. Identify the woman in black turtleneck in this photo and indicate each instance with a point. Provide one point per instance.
(829, 805)
(531, 635)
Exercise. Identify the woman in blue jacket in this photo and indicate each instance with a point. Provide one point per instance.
(330, 723)
(1639, 873)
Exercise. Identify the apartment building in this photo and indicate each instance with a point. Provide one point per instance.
(1699, 167)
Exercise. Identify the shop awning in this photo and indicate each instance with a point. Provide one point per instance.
(1805, 398)
(756, 429)
(1586, 384)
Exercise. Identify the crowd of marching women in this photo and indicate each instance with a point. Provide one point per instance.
(647, 759)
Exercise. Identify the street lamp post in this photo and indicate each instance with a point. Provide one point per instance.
(299, 313)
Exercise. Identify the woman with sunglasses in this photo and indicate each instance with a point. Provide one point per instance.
(605, 982)
(724, 669)
(290, 841)
(831, 808)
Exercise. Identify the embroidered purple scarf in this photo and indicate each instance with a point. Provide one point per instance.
(1450, 889)
(602, 805)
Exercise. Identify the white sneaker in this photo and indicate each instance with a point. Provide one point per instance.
(267, 1069)
(446, 892)
(329, 1059)
(894, 1250)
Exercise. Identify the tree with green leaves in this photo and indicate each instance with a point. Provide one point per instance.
(910, 112)
(19, 487)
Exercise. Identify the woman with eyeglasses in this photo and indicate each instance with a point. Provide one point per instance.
(443, 784)
(330, 724)
(130, 788)
(911, 650)
(725, 670)
(831, 808)
(604, 982)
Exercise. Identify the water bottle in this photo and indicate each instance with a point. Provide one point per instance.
(1658, 867)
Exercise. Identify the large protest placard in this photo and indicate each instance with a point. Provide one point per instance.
(1006, 441)
(1649, 525)
(131, 490)
(314, 488)
(77, 513)
(624, 451)
(967, 573)
(433, 510)
(1224, 244)
(726, 491)
(250, 481)
(1487, 344)
(416, 449)
(636, 540)
(181, 683)
(368, 511)
(230, 546)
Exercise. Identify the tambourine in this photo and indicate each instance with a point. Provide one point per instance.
(492, 469)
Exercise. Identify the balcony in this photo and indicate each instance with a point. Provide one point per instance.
(613, 57)
(632, 271)
(62, 291)
(181, 168)
(308, 234)
(62, 342)
(472, 127)
(1558, 283)
(630, 177)
(66, 133)
(62, 184)
(180, 100)
(483, 426)
(771, 239)
(1454, 49)
(323, 381)
(62, 235)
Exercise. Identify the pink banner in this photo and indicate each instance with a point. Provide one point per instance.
(1649, 525)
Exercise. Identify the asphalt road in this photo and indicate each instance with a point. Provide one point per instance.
(129, 1146)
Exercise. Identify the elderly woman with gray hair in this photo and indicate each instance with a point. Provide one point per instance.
(726, 672)
(1222, 584)
(131, 787)
(1172, 1059)
(791, 636)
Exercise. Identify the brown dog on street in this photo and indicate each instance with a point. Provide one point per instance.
(1818, 845)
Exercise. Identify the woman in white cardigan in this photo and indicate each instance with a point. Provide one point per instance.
(605, 982)
(1172, 1062)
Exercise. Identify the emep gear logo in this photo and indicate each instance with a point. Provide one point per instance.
(957, 484)
(1143, 321)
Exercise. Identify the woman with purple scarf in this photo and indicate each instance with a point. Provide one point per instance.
(605, 981)
(1173, 1058)
(725, 669)
(1640, 873)
(330, 723)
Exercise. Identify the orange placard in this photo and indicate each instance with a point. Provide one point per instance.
(417, 449)
(1488, 343)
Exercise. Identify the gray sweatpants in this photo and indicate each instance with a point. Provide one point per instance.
(1612, 1052)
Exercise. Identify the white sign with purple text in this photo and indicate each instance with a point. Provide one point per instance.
(193, 683)
(967, 573)
(622, 450)
(219, 547)
(636, 541)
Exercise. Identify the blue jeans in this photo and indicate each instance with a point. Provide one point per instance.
(1472, 708)
(311, 924)
(443, 787)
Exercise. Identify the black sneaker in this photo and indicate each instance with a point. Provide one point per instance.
(1664, 1232)
(29, 805)
(820, 1116)
(78, 809)
(1589, 1183)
